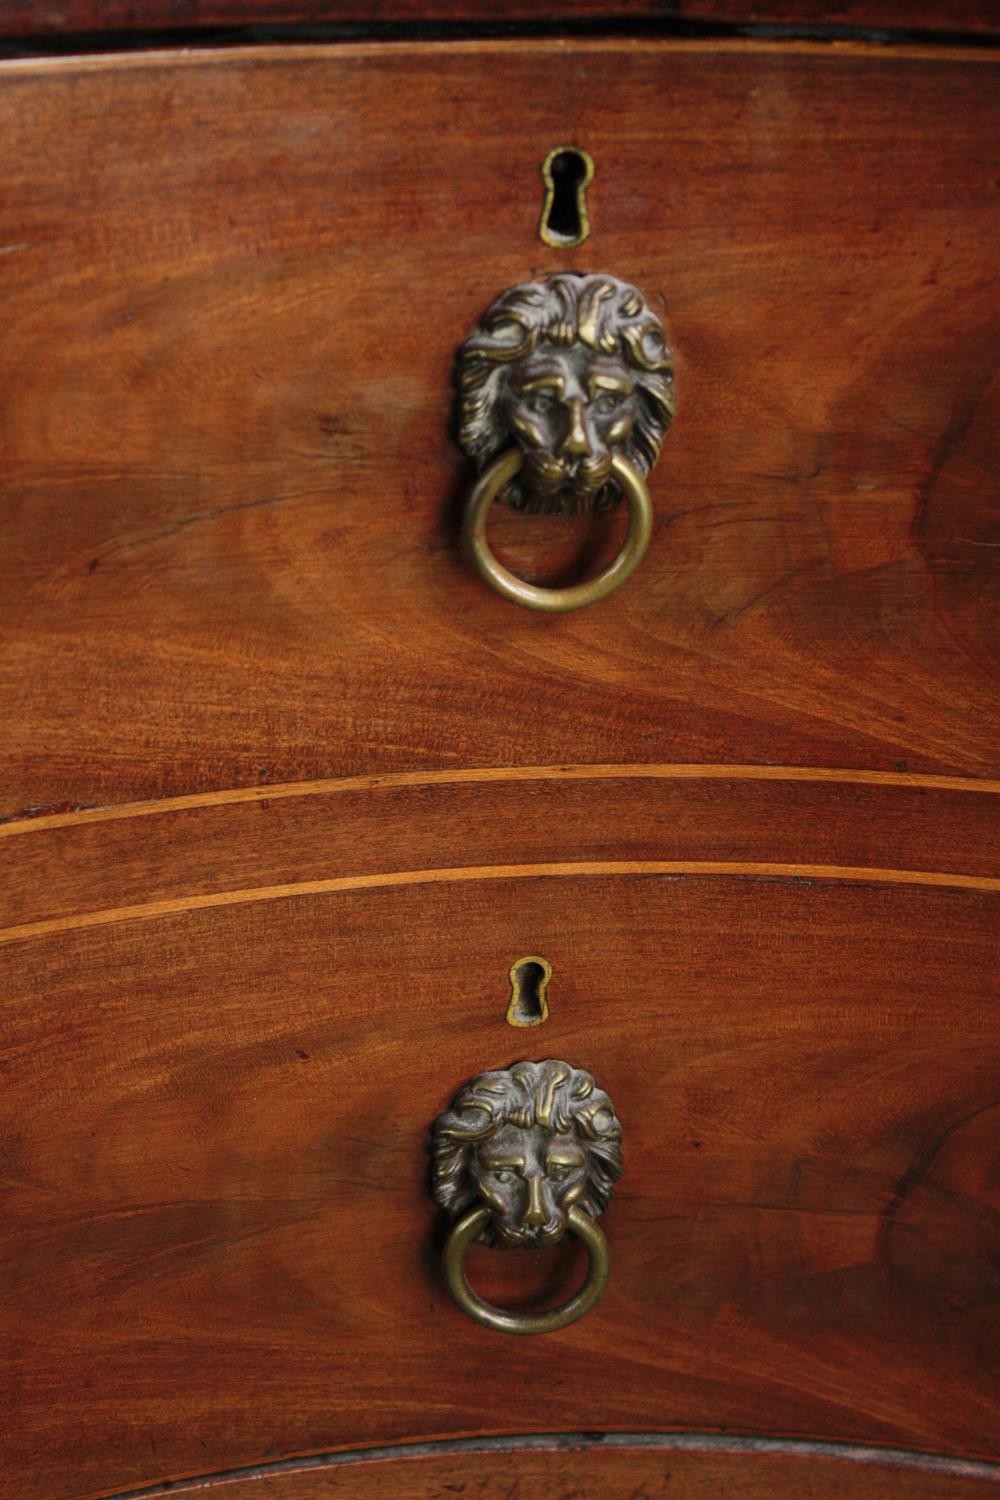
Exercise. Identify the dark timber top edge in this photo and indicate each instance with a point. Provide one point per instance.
(29, 39)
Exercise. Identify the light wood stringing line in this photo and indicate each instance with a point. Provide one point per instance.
(465, 777)
(176, 906)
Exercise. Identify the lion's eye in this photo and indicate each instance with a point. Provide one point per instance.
(540, 402)
(559, 1174)
(609, 401)
(502, 1175)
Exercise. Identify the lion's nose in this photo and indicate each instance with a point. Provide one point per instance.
(576, 440)
(535, 1215)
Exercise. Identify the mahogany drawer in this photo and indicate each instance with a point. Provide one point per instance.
(287, 791)
(230, 551)
(219, 1247)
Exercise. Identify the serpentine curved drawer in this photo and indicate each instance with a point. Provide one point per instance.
(289, 795)
(231, 1022)
(230, 534)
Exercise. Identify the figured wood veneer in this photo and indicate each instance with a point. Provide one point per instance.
(231, 493)
(233, 288)
(218, 1244)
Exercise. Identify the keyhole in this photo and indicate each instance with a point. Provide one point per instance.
(567, 173)
(529, 979)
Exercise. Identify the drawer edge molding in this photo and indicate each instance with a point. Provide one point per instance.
(854, 1455)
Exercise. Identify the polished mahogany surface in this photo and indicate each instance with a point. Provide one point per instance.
(218, 1244)
(285, 790)
(231, 494)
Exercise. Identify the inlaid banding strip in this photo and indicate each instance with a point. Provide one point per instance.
(179, 906)
(828, 775)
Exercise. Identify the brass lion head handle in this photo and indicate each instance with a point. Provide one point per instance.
(565, 395)
(520, 1157)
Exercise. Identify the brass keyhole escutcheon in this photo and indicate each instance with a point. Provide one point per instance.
(567, 173)
(529, 981)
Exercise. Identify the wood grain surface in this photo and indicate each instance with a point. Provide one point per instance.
(217, 1244)
(230, 498)
(588, 1471)
(744, 807)
(140, 862)
(78, 17)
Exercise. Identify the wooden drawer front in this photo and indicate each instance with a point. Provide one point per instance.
(234, 285)
(218, 1244)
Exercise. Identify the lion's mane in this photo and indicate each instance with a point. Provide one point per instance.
(552, 1094)
(605, 314)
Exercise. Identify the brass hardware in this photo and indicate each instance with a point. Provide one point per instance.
(576, 595)
(565, 395)
(470, 1302)
(523, 1155)
(532, 1009)
(565, 221)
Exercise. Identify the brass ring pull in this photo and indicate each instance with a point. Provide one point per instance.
(470, 1302)
(524, 1155)
(565, 394)
(555, 601)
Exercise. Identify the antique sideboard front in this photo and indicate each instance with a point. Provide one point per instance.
(288, 791)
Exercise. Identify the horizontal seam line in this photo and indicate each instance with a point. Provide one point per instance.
(175, 906)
